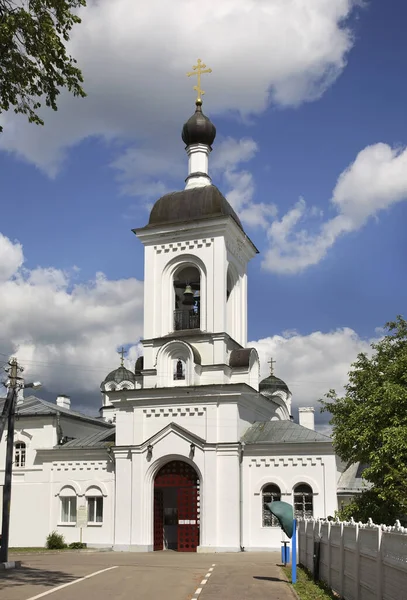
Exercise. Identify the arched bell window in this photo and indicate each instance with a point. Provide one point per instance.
(179, 369)
(271, 493)
(187, 290)
(303, 501)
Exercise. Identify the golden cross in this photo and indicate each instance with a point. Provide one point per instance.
(121, 352)
(198, 70)
(270, 362)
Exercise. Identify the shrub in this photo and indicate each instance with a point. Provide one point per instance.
(55, 541)
(77, 546)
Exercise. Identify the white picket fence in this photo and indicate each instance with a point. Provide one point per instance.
(358, 561)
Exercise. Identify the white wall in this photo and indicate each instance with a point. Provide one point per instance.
(35, 505)
(285, 467)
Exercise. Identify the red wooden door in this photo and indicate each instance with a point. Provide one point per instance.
(188, 521)
(158, 520)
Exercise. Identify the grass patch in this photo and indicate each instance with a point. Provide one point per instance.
(307, 589)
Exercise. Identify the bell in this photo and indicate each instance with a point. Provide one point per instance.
(188, 296)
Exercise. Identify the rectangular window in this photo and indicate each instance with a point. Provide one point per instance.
(68, 509)
(19, 458)
(95, 509)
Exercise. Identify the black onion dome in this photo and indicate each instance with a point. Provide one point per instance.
(198, 129)
(272, 384)
(119, 375)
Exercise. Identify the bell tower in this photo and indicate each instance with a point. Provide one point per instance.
(196, 256)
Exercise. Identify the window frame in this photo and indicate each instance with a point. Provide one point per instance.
(94, 500)
(20, 455)
(307, 498)
(72, 514)
(274, 495)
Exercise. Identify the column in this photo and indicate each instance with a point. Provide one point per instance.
(123, 500)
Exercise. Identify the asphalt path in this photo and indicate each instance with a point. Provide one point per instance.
(144, 576)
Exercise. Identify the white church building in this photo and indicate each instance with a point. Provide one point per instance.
(190, 445)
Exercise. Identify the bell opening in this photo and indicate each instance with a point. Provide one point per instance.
(187, 290)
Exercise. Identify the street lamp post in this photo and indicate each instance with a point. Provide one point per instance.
(8, 414)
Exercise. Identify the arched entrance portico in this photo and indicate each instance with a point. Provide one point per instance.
(176, 507)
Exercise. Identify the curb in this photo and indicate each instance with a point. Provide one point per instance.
(42, 552)
(11, 564)
(290, 585)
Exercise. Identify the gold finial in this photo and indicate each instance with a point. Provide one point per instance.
(271, 362)
(121, 352)
(198, 70)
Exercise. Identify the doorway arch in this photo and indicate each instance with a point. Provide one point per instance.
(176, 507)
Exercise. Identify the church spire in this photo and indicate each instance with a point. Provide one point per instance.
(198, 134)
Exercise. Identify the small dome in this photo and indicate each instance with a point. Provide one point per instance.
(120, 374)
(198, 129)
(271, 385)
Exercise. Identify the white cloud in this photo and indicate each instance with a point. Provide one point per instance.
(376, 180)
(66, 333)
(134, 56)
(239, 184)
(312, 364)
(11, 257)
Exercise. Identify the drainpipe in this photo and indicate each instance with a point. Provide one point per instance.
(241, 493)
(60, 433)
(111, 456)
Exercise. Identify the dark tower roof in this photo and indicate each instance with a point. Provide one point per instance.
(272, 384)
(196, 204)
(120, 374)
(198, 129)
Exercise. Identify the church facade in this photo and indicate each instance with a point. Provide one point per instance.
(190, 445)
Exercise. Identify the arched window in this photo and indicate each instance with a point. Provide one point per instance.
(187, 288)
(271, 493)
(94, 500)
(176, 362)
(20, 454)
(179, 369)
(68, 505)
(303, 501)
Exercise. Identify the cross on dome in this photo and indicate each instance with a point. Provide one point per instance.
(122, 353)
(198, 70)
(271, 363)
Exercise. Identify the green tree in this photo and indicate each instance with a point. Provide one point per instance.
(370, 426)
(34, 64)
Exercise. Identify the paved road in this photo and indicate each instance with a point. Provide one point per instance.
(134, 576)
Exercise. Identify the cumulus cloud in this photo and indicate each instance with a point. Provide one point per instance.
(376, 180)
(229, 156)
(11, 257)
(312, 364)
(134, 56)
(66, 333)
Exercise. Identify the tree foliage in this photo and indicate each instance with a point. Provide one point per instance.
(370, 426)
(34, 64)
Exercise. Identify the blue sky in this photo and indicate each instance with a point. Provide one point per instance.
(293, 143)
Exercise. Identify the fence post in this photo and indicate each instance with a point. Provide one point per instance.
(357, 562)
(341, 562)
(379, 566)
(328, 552)
(316, 551)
